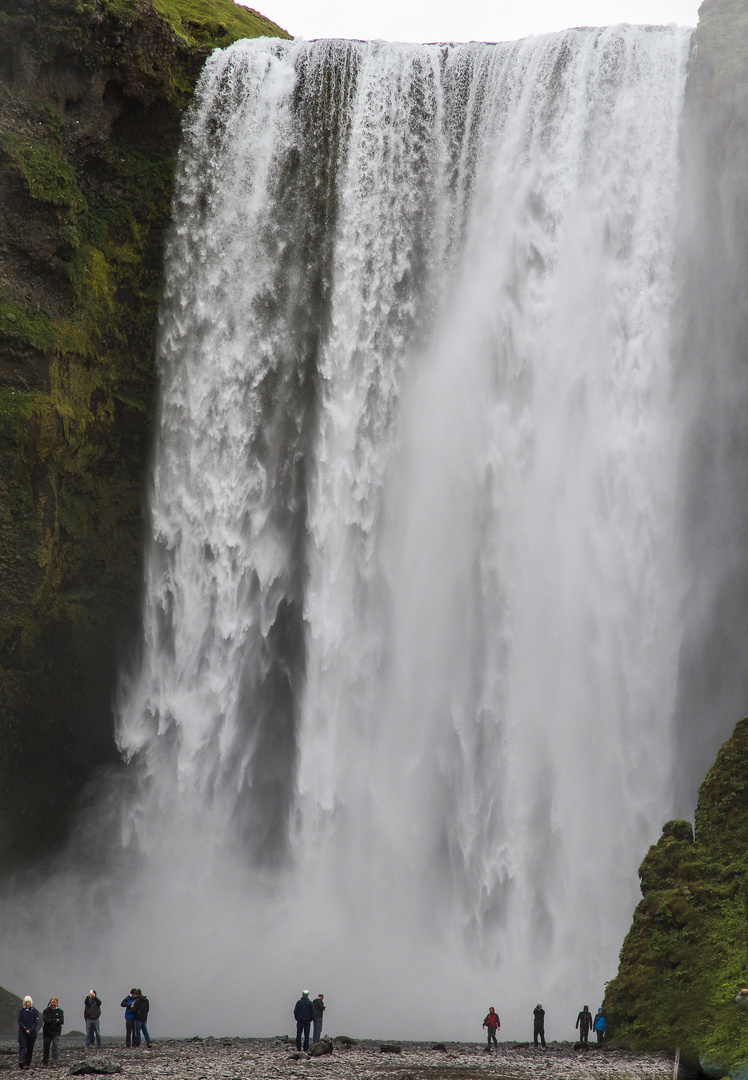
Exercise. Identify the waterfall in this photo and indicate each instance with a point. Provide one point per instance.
(402, 726)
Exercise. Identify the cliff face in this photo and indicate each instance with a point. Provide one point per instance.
(686, 955)
(91, 98)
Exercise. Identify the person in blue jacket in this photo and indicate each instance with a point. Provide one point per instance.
(127, 1004)
(599, 1025)
(28, 1027)
(303, 1014)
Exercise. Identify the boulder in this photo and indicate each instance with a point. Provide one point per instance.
(324, 1046)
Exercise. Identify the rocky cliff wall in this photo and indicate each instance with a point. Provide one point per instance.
(91, 98)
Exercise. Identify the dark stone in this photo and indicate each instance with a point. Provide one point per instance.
(390, 1048)
(324, 1046)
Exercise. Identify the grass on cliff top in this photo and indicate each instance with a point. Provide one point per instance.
(203, 19)
(205, 22)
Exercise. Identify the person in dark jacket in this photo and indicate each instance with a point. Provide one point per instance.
(599, 1025)
(584, 1023)
(52, 1020)
(92, 1015)
(303, 1014)
(319, 1008)
(28, 1027)
(493, 1024)
(538, 1024)
(140, 1007)
(127, 1004)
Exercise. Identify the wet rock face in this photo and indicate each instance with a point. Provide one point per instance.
(91, 100)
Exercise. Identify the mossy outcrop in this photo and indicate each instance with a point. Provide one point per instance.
(686, 955)
(91, 98)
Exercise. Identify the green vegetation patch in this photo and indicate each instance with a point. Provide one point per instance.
(48, 177)
(203, 22)
(216, 22)
(37, 329)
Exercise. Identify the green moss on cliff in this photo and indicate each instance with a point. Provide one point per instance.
(48, 177)
(215, 21)
(686, 955)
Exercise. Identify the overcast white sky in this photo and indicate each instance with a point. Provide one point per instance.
(463, 20)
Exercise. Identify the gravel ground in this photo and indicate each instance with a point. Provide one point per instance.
(274, 1059)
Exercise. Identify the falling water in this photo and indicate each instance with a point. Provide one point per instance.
(402, 725)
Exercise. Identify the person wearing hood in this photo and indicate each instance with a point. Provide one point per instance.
(303, 1014)
(92, 1015)
(584, 1023)
(538, 1024)
(599, 1025)
(52, 1020)
(28, 1027)
(493, 1024)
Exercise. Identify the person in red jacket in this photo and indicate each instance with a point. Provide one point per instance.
(493, 1024)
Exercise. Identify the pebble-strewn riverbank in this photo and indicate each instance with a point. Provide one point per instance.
(273, 1059)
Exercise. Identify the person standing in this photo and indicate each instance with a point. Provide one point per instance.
(140, 1008)
(493, 1024)
(52, 1020)
(584, 1023)
(92, 1015)
(127, 1004)
(599, 1026)
(28, 1026)
(538, 1024)
(319, 1008)
(303, 1014)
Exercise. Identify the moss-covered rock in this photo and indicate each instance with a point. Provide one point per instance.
(91, 98)
(686, 955)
